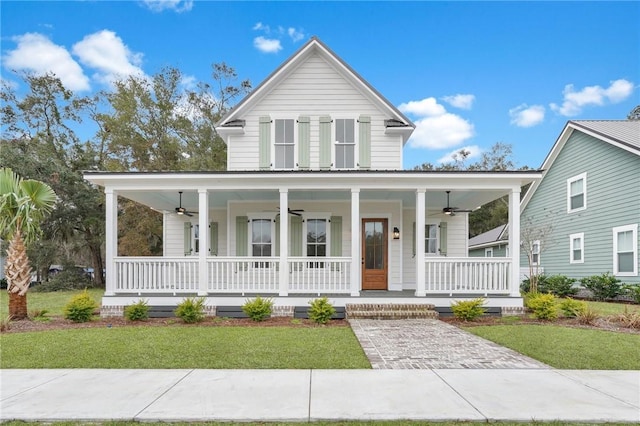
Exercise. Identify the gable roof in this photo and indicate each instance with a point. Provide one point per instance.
(315, 46)
(496, 235)
(624, 134)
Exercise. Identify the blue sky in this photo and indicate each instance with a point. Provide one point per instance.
(468, 73)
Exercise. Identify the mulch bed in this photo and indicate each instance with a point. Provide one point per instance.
(59, 323)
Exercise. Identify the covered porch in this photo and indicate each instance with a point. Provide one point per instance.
(410, 205)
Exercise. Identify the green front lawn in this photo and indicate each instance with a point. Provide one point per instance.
(52, 302)
(185, 347)
(568, 348)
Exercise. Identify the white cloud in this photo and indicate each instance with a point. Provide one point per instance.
(437, 128)
(574, 102)
(474, 152)
(267, 45)
(36, 53)
(178, 6)
(460, 101)
(188, 82)
(296, 35)
(105, 52)
(527, 116)
(259, 26)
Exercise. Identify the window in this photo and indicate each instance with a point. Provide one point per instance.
(625, 250)
(196, 238)
(345, 143)
(261, 237)
(535, 252)
(576, 248)
(431, 239)
(488, 252)
(316, 240)
(577, 193)
(284, 144)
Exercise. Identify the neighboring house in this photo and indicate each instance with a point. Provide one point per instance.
(588, 202)
(493, 243)
(313, 202)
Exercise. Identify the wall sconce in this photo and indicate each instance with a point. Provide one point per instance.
(396, 233)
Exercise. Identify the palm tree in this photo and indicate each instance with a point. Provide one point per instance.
(23, 205)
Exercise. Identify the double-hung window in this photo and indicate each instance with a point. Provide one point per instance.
(535, 252)
(577, 193)
(488, 252)
(316, 240)
(576, 250)
(431, 239)
(284, 144)
(261, 237)
(625, 250)
(345, 143)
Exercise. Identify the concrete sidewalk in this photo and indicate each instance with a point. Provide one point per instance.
(304, 395)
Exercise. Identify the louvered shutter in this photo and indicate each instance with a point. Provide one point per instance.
(264, 136)
(295, 237)
(187, 238)
(325, 142)
(277, 248)
(413, 239)
(336, 236)
(443, 238)
(304, 136)
(213, 238)
(242, 235)
(364, 141)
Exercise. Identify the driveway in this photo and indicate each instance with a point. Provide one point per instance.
(432, 344)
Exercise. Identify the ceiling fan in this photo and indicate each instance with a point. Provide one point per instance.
(181, 210)
(451, 211)
(295, 212)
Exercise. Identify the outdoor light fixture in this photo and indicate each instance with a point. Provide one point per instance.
(396, 233)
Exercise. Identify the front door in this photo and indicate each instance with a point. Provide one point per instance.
(374, 254)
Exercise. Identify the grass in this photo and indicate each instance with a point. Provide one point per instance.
(185, 347)
(607, 308)
(568, 348)
(52, 302)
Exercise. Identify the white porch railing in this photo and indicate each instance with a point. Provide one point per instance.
(466, 275)
(319, 275)
(243, 274)
(156, 274)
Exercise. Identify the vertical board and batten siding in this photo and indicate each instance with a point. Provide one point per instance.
(314, 89)
(613, 199)
(174, 232)
(457, 234)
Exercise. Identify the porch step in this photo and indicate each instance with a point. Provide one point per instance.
(390, 311)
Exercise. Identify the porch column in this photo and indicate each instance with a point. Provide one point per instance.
(111, 240)
(203, 227)
(514, 241)
(421, 286)
(284, 241)
(356, 264)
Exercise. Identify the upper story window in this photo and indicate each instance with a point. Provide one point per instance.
(625, 250)
(576, 242)
(577, 193)
(345, 143)
(284, 144)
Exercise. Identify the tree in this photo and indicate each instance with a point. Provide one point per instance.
(535, 236)
(24, 203)
(634, 114)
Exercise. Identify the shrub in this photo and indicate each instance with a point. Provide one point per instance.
(258, 309)
(560, 285)
(588, 317)
(321, 310)
(571, 308)
(70, 278)
(627, 319)
(39, 315)
(525, 285)
(80, 308)
(468, 310)
(543, 306)
(603, 286)
(5, 324)
(137, 312)
(633, 291)
(191, 310)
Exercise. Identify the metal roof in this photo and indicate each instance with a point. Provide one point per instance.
(492, 236)
(626, 132)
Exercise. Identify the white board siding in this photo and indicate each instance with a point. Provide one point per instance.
(457, 234)
(174, 232)
(315, 89)
(613, 199)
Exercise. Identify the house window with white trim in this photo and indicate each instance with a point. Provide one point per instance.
(316, 240)
(625, 250)
(261, 237)
(284, 143)
(576, 248)
(431, 239)
(488, 252)
(196, 238)
(535, 252)
(345, 141)
(577, 193)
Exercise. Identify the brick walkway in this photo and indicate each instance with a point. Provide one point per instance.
(430, 344)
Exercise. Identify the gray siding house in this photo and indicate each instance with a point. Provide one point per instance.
(493, 243)
(582, 218)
